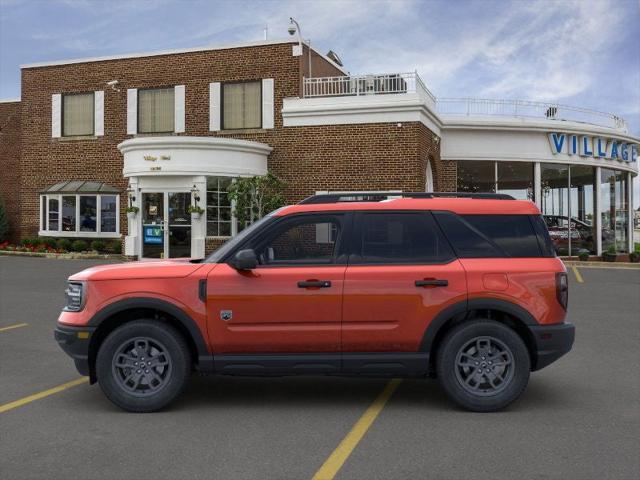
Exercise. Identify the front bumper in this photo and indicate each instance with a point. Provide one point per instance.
(552, 342)
(75, 343)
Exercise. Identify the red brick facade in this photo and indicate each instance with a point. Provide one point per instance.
(10, 160)
(381, 156)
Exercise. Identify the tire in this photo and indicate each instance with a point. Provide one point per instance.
(483, 365)
(166, 365)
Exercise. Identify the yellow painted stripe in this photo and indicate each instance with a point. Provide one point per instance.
(11, 327)
(335, 461)
(37, 396)
(577, 274)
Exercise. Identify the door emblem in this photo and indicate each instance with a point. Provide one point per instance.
(226, 315)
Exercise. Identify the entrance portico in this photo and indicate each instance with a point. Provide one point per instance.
(167, 174)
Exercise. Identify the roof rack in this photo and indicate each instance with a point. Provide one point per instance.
(380, 196)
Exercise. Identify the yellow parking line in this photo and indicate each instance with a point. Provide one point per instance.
(577, 274)
(334, 463)
(11, 327)
(37, 396)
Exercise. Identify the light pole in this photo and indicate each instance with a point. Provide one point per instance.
(294, 27)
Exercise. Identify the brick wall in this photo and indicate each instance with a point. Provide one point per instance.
(10, 161)
(339, 157)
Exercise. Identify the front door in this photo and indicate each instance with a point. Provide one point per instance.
(290, 303)
(166, 225)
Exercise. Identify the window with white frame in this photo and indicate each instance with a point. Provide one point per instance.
(79, 215)
(156, 110)
(78, 114)
(220, 219)
(241, 105)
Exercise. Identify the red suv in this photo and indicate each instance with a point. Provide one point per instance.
(465, 289)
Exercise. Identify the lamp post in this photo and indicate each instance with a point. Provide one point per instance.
(294, 27)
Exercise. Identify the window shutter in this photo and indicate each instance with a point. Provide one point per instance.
(132, 111)
(214, 106)
(267, 103)
(179, 111)
(98, 111)
(56, 115)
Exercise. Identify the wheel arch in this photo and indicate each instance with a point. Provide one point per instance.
(127, 310)
(502, 311)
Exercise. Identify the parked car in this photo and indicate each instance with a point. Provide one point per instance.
(581, 233)
(467, 290)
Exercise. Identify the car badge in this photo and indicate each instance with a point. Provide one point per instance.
(226, 315)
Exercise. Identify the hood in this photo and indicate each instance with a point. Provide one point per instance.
(177, 268)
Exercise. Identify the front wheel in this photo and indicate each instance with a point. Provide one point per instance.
(143, 365)
(483, 365)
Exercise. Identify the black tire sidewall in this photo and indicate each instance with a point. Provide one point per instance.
(456, 339)
(176, 349)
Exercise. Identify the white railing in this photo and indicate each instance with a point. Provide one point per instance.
(356, 85)
(524, 108)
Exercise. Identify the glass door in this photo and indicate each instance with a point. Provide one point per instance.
(179, 225)
(153, 216)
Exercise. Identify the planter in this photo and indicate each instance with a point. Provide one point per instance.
(131, 216)
(196, 215)
(615, 257)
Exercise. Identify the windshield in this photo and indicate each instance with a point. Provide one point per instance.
(225, 248)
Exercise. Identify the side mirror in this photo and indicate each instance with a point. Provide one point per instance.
(244, 260)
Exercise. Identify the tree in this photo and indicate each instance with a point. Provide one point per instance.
(4, 222)
(254, 197)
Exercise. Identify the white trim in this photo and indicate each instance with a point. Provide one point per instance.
(98, 112)
(537, 184)
(171, 52)
(179, 100)
(56, 115)
(9, 100)
(598, 207)
(132, 111)
(268, 103)
(630, 211)
(214, 107)
(77, 233)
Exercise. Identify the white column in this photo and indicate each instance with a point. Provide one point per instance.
(630, 212)
(199, 226)
(537, 185)
(598, 214)
(132, 241)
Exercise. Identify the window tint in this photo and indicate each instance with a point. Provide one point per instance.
(544, 239)
(308, 241)
(490, 236)
(401, 238)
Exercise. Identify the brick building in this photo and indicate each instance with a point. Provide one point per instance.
(163, 130)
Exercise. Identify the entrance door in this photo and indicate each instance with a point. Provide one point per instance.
(166, 225)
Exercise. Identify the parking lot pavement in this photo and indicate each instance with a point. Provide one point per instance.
(578, 419)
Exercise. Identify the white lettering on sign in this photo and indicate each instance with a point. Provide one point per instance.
(597, 147)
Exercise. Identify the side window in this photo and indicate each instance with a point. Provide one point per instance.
(401, 238)
(467, 242)
(306, 241)
(513, 233)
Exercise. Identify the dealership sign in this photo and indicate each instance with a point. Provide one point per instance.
(597, 147)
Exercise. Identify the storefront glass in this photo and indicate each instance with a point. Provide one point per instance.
(582, 206)
(516, 179)
(614, 210)
(554, 180)
(476, 176)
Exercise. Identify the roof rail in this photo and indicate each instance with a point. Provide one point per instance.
(380, 196)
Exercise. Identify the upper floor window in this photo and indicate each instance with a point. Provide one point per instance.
(241, 105)
(78, 114)
(156, 110)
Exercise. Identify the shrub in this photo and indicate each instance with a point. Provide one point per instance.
(64, 244)
(115, 247)
(4, 222)
(79, 246)
(29, 242)
(583, 255)
(98, 245)
(47, 242)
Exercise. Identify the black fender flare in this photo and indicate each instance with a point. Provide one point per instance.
(464, 307)
(156, 304)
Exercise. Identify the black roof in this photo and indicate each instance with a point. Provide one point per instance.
(81, 186)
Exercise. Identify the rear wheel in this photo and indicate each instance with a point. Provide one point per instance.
(143, 365)
(483, 365)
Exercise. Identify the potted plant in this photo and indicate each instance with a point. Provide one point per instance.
(583, 255)
(635, 255)
(131, 212)
(195, 211)
(610, 255)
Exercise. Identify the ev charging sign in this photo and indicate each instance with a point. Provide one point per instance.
(596, 147)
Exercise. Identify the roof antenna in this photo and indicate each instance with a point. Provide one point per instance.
(266, 32)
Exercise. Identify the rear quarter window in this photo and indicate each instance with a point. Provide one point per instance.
(490, 236)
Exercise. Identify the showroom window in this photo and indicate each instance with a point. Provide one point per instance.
(614, 210)
(75, 209)
(241, 105)
(78, 114)
(156, 110)
(515, 179)
(476, 176)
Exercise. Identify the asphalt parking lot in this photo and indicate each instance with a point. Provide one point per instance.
(578, 419)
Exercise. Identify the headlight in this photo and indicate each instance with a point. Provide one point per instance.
(75, 297)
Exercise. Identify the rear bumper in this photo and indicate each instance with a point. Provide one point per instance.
(74, 341)
(552, 342)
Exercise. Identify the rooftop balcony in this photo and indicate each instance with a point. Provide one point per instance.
(411, 83)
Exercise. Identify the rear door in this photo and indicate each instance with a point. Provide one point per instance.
(401, 274)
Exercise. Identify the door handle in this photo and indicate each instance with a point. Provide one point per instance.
(314, 284)
(432, 282)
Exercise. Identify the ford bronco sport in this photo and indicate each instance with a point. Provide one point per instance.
(465, 288)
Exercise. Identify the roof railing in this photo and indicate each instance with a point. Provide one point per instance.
(345, 197)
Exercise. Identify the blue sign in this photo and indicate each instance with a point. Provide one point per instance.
(152, 235)
(588, 146)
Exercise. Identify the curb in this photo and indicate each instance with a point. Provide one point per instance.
(66, 256)
(611, 265)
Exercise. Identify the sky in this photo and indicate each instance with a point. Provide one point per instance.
(584, 53)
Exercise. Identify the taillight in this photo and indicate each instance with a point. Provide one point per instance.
(562, 289)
